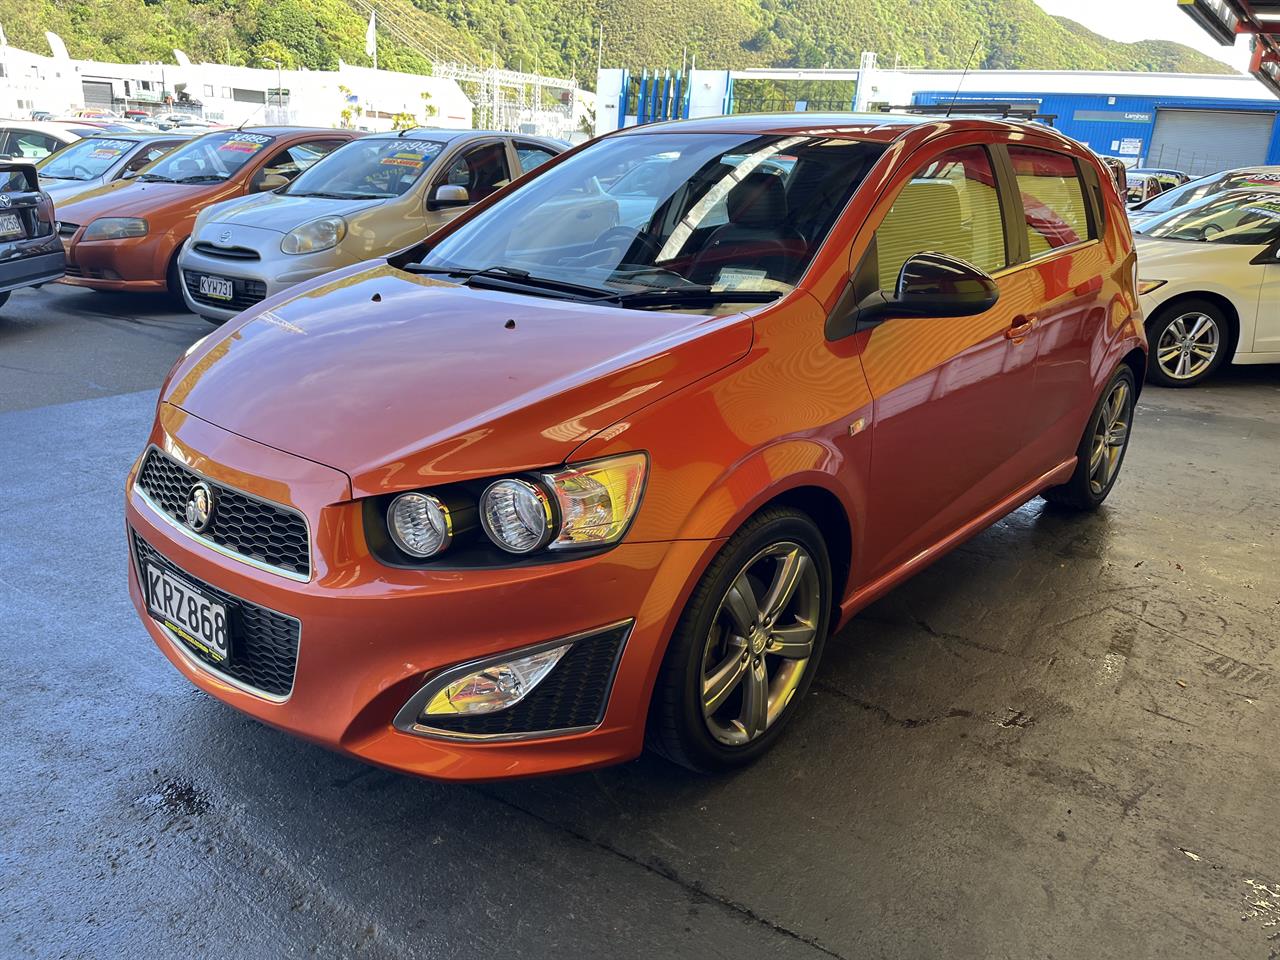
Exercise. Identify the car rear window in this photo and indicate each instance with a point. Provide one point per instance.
(1053, 198)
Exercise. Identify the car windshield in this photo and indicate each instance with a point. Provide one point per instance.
(85, 159)
(215, 156)
(1238, 218)
(667, 219)
(1138, 187)
(1207, 186)
(368, 169)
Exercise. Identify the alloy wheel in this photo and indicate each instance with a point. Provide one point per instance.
(1110, 436)
(1188, 346)
(760, 642)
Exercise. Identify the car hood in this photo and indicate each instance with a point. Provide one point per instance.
(1178, 259)
(280, 212)
(129, 198)
(405, 381)
(63, 191)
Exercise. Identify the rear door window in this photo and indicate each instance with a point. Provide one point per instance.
(482, 170)
(950, 205)
(1053, 198)
(30, 145)
(531, 155)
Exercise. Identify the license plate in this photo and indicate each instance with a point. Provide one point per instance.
(217, 287)
(198, 619)
(10, 225)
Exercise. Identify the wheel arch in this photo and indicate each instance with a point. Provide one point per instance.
(1222, 302)
(827, 511)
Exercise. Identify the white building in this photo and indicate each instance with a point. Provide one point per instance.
(225, 94)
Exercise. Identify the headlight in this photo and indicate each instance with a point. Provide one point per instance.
(495, 687)
(1146, 286)
(314, 236)
(115, 228)
(597, 499)
(419, 524)
(516, 515)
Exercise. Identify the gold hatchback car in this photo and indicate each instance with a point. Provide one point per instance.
(368, 198)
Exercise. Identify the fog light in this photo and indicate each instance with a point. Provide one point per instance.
(419, 524)
(495, 687)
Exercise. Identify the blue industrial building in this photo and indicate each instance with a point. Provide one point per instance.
(1196, 134)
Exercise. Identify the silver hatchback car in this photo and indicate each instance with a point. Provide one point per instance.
(368, 198)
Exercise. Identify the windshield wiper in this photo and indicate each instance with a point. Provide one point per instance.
(155, 178)
(691, 296)
(512, 278)
(200, 178)
(340, 196)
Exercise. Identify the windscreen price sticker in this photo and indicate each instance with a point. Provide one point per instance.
(245, 143)
(404, 160)
(103, 149)
(411, 153)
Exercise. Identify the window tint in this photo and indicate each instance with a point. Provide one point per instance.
(1052, 198)
(531, 156)
(950, 206)
(482, 170)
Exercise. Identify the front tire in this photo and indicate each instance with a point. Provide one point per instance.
(1189, 342)
(1102, 448)
(747, 645)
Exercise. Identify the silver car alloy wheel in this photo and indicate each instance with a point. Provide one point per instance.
(760, 642)
(1110, 437)
(1188, 345)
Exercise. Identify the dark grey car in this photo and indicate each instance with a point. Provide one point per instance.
(30, 251)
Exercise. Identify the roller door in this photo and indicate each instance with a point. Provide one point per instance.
(97, 94)
(1206, 141)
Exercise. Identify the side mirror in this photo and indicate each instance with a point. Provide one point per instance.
(1270, 255)
(272, 181)
(932, 285)
(448, 195)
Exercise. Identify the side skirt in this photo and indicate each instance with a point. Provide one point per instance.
(879, 587)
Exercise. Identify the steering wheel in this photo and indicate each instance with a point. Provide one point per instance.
(1208, 230)
(622, 238)
(78, 169)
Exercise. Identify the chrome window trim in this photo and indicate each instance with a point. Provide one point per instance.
(406, 719)
(216, 547)
(191, 659)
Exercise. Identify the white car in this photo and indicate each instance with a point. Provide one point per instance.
(1242, 178)
(1209, 281)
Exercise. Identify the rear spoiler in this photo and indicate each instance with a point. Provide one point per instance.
(18, 177)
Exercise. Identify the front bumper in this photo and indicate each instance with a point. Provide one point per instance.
(372, 635)
(274, 272)
(133, 264)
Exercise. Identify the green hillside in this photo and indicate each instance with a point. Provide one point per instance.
(559, 37)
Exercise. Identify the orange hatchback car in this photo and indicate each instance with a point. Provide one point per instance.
(127, 234)
(517, 500)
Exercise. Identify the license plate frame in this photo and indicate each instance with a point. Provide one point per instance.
(219, 288)
(199, 620)
(11, 227)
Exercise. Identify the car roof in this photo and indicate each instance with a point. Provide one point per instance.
(141, 136)
(449, 134)
(47, 126)
(880, 127)
(285, 131)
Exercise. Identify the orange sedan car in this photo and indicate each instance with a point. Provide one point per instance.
(515, 500)
(127, 234)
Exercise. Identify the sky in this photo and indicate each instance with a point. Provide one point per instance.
(1131, 20)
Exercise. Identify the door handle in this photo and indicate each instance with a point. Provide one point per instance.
(1021, 327)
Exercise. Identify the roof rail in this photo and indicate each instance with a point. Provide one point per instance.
(1004, 111)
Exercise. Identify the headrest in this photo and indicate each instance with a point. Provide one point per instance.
(759, 200)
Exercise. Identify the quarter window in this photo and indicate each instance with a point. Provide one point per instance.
(482, 170)
(1053, 198)
(951, 205)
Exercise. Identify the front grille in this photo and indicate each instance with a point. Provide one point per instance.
(253, 528)
(573, 695)
(226, 253)
(264, 644)
(244, 293)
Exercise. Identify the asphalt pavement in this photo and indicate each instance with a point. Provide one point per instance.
(1059, 741)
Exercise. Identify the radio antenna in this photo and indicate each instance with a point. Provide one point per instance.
(972, 54)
